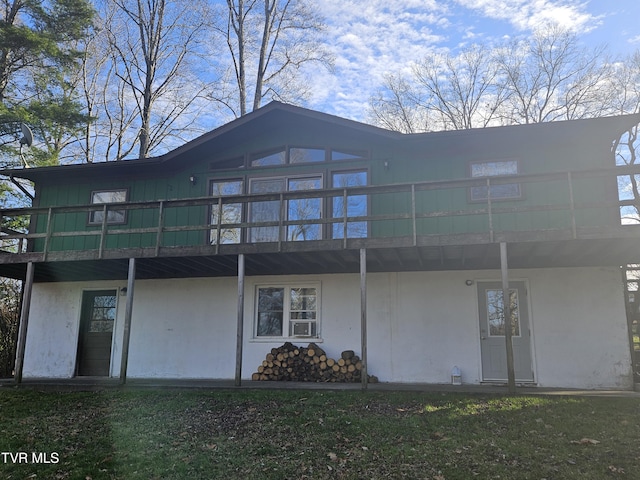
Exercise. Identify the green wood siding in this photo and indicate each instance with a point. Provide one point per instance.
(389, 162)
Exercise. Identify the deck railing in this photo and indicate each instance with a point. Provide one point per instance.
(563, 201)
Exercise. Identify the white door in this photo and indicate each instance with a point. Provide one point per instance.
(492, 331)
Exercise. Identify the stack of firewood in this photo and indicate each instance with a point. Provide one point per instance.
(308, 364)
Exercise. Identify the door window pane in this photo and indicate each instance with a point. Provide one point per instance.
(356, 205)
(231, 212)
(495, 313)
(304, 209)
(103, 314)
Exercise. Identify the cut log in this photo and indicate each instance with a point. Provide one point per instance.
(347, 354)
(308, 364)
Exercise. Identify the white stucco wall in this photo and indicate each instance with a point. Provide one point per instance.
(54, 322)
(420, 324)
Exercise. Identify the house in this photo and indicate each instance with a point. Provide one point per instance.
(294, 225)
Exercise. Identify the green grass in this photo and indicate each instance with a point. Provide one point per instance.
(184, 434)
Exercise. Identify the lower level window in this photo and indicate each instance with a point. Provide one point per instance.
(287, 311)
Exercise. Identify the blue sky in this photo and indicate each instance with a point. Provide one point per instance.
(371, 38)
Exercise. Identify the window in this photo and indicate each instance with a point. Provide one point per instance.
(348, 155)
(356, 205)
(504, 191)
(287, 311)
(294, 155)
(304, 209)
(231, 212)
(108, 196)
(103, 313)
(297, 209)
(268, 211)
(277, 157)
(306, 155)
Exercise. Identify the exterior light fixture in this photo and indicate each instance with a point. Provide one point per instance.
(193, 179)
(468, 283)
(456, 376)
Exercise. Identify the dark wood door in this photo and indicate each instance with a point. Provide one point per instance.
(97, 319)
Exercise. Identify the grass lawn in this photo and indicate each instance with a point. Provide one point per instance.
(262, 434)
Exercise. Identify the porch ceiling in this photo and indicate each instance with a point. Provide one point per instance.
(526, 254)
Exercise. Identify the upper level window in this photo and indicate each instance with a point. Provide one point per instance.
(355, 206)
(264, 159)
(304, 210)
(230, 212)
(505, 191)
(293, 155)
(306, 155)
(348, 155)
(114, 216)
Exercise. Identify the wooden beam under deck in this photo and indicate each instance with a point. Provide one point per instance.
(201, 263)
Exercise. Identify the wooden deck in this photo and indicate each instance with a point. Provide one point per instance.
(399, 241)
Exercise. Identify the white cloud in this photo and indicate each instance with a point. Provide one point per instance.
(370, 39)
(530, 14)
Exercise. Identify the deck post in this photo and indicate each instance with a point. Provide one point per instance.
(506, 303)
(127, 320)
(239, 339)
(363, 316)
(24, 322)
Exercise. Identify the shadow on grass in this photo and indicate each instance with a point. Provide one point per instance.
(58, 435)
(317, 435)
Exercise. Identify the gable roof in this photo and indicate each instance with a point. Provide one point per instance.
(277, 115)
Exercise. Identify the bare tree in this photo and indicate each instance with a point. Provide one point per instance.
(269, 42)
(151, 87)
(552, 77)
(625, 84)
(444, 92)
(396, 107)
(462, 91)
(547, 77)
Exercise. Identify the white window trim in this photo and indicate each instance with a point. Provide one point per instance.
(286, 317)
(475, 199)
(92, 213)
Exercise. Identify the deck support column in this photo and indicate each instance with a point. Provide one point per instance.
(24, 322)
(363, 316)
(128, 312)
(506, 303)
(239, 337)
